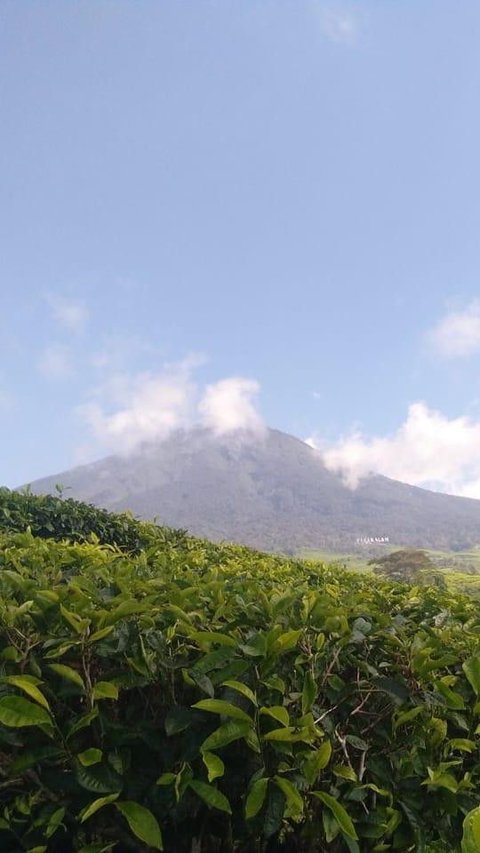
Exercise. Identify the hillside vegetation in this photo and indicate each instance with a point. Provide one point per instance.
(160, 692)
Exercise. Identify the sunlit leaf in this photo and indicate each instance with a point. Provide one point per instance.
(214, 765)
(256, 798)
(219, 706)
(277, 712)
(29, 686)
(293, 797)
(213, 637)
(309, 692)
(287, 641)
(55, 821)
(225, 734)
(211, 796)
(241, 688)
(142, 823)
(101, 634)
(105, 690)
(339, 812)
(316, 761)
(96, 805)
(17, 712)
(471, 832)
(68, 673)
(471, 668)
(90, 756)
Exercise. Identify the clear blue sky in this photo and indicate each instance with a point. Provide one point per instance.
(289, 188)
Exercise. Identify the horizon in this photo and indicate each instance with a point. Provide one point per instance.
(239, 216)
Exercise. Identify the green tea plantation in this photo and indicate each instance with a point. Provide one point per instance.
(159, 692)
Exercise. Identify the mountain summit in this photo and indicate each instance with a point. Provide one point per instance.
(270, 491)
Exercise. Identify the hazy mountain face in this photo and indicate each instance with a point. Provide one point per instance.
(270, 491)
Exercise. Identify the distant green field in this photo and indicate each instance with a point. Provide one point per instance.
(461, 568)
(462, 561)
(353, 562)
(466, 561)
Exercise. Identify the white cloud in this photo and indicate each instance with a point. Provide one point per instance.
(55, 362)
(428, 450)
(69, 313)
(338, 22)
(137, 408)
(458, 334)
(131, 408)
(228, 405)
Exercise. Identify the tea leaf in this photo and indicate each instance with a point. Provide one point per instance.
(68, 673)
(96, 805)
(28, 685)
(219, 706)
(17, 712)
(211, 796)
(339, 812)
(256, 798)
(142, 823)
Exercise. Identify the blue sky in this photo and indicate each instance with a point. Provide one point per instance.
(280, 195)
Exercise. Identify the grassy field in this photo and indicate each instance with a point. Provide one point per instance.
(461, 568)
(354, 562)
(460, 561)
(457, 561)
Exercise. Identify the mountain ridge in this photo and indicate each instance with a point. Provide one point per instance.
(271, 491)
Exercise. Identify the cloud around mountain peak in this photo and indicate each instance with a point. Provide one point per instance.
(129, 409)
(229, 405)
(428, 449)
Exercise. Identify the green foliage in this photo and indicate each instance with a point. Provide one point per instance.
(142, 823)
(410, 565)
(471, 832)
(210, 698)
(55, 517)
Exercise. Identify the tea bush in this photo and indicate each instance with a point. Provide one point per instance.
(200, 698)
(50, 516)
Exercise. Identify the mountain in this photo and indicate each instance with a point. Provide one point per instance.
(272, 492)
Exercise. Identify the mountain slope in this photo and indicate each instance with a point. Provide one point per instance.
(272, 492)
